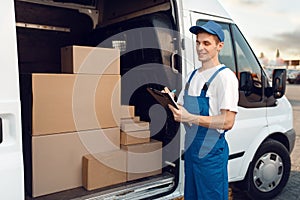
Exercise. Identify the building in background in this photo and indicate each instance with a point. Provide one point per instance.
(292, 64)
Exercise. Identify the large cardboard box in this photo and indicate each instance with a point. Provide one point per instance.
(57, 159)
(59, 103)
(135, 137)
(90, 60)
(143, 160)
(103, 169)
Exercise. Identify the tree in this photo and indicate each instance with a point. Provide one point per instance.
(277, 53)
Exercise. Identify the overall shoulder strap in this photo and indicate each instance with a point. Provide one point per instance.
(206, 85)
(187, 85)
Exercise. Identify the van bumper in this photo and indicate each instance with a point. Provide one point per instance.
(291, 135)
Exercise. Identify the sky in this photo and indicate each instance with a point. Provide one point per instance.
(268, 25)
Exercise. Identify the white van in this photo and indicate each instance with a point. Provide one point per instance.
(153, 34)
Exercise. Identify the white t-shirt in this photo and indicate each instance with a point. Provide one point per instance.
(222, 92)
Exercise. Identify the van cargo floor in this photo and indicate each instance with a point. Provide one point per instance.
(138, 189)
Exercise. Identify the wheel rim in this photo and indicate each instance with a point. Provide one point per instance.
(267, 172)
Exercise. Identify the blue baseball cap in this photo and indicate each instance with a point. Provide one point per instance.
(209, 27)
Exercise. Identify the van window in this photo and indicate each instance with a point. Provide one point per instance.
(226, 55)
(246, 62)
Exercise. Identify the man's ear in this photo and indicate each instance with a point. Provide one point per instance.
(220, 46)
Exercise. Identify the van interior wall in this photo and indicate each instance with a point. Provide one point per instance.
(141, 63)
(113, 11)
(38, 49)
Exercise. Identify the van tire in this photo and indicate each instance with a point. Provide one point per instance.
(269, 170)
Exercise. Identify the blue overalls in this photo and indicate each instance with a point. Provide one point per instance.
(206, 152)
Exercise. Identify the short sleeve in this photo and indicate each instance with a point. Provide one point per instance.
(228, 94)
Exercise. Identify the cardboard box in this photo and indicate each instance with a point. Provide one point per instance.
(127, 111)
(67, 102)
(57, 159)
(135, 137)
(90, 60)
(143, 160)
(104, 169)
(130, 120)
(136, 126)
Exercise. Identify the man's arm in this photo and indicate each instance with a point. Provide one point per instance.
(223, 121)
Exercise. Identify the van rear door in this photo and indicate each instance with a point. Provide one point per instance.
(11, 167)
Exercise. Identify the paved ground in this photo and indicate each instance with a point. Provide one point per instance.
(292, 189)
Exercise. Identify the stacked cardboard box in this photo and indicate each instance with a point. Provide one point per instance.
(143, 159)
(139, 156)
(87, 60)
(144, 156)
(57, 158)
(133, 131)
(103, 169)
(67, 102)
(69, 116)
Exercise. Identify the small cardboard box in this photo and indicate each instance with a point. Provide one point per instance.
(57, 103)
(127, 111)
(143, 160)
(130, 120)
(90, 60)
(135, 137)
(136, 126)
(57, 158)
(103, 169)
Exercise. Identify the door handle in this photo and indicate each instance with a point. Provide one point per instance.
(1, 131)
(173, 62)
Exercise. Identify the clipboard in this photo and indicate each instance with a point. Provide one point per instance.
(163, 98)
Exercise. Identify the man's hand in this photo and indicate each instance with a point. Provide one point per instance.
(223, 121)
(181, 114)
(166, 90)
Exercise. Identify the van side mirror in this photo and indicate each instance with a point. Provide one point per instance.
(279, 82)
(246, 83)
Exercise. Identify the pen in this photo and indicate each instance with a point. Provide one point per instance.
(173, 91)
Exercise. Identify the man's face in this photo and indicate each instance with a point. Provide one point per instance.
(207, 46)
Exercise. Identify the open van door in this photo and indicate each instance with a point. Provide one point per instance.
(11, 167)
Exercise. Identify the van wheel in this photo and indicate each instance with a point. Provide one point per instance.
(269, 171)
